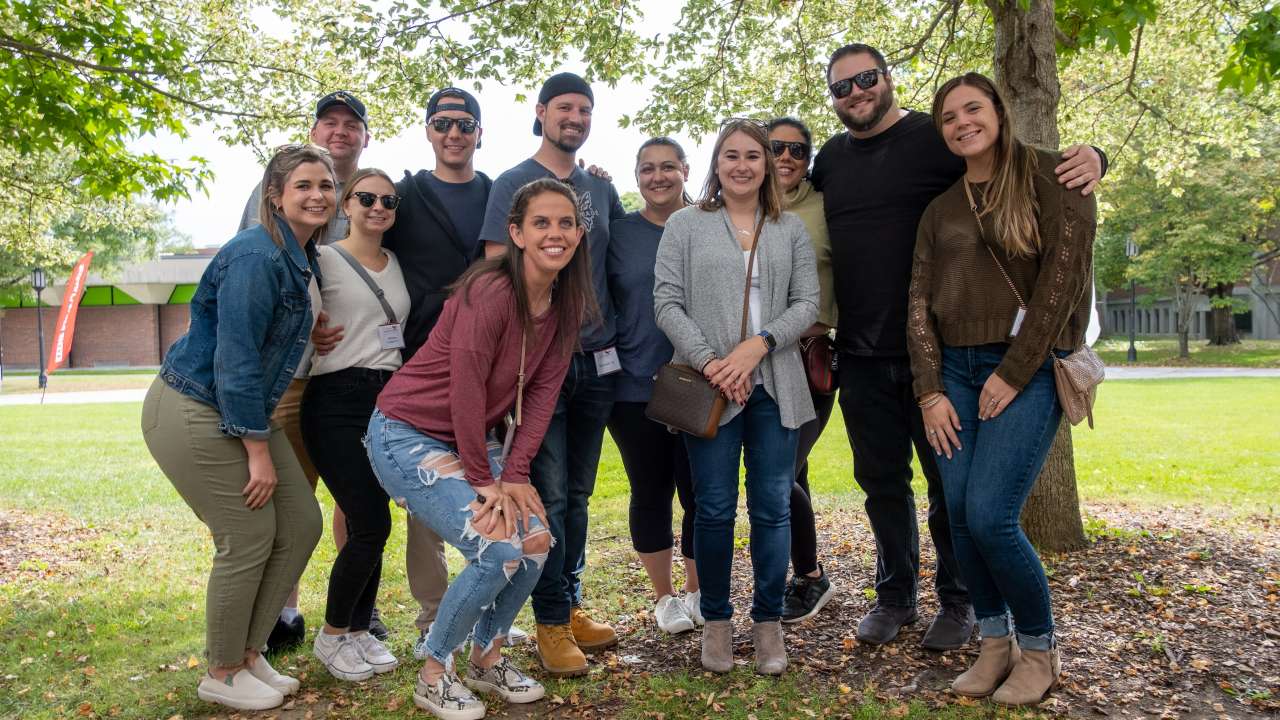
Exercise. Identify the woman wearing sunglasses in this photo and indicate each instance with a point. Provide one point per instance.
(737, 259)
(363, 291)
(809, 588)
(999, 285)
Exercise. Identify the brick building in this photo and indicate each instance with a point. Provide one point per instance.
(125, 321)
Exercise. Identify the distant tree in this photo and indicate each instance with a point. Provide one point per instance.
(632, 201)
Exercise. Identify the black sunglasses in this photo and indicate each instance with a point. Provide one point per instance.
(466, 125)
(390, 202)
(866, 80)
(798, 150)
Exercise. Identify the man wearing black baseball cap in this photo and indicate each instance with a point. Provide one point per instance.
(564, 471)
(342, 127)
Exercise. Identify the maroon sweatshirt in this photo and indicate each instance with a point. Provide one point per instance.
(460, 384)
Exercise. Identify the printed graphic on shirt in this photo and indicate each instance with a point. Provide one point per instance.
(587, 209)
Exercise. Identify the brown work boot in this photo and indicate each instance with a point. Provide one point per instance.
(1032, 678)
(589, 634)
(995, 661)
(558, 652)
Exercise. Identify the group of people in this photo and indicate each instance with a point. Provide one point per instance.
(459, 346)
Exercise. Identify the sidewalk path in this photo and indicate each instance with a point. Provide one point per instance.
(75, 398)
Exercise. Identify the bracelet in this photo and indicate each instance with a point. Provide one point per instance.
(937, 398)
(702, 370)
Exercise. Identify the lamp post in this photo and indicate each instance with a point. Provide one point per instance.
(1131, 252)
(38, 284)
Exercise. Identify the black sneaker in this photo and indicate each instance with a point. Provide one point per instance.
(376, 626)
(883, 623)
(805, 596)
(286, 635)
(951, 628)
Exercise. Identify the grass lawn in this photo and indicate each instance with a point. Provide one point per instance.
(78, 380)
(118, 629)
(1163, 351)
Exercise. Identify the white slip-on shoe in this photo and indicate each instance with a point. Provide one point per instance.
(374, 652)
(262, 670)
(672, 616)
(693, 605)
(241, 690)
(341, 657)
(506, 680)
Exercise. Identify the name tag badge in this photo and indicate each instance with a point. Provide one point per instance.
(1017, 321)
(607, 361)
(391, 337)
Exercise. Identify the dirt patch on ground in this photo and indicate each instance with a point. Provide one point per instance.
(36, 546)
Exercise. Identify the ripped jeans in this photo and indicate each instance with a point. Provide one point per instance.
(424, 475)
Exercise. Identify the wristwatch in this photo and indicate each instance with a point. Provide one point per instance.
(769, 342)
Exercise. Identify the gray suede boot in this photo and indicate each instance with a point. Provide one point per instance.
(771, 654)
(1032, 678)
(994, 663)
(717, 646)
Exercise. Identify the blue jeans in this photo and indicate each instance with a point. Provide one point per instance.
(770, 451)
(986, 484)
(564, 474)
(485, 597)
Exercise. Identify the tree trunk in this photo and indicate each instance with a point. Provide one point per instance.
(1222, 323)
(1026, 70)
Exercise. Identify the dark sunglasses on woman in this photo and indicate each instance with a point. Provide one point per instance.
(466, 125)
(798, 150)
(866, 80)
(390, 202)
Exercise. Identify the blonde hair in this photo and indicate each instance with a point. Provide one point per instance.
(286, 159)
(770, 197)
(1011, 195)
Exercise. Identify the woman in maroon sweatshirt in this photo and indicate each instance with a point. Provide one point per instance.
(502, 345)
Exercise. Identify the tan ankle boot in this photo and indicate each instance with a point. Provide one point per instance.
(1032, 678)
(994, 663)
(589, 634)
(717, 646)
(771, 651)
(558, 652)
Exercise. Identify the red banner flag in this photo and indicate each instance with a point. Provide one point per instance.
(66, 327)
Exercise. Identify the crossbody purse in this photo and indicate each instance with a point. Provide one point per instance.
(1076, 376)
(683, 399)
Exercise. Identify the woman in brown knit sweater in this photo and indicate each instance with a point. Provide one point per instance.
(1000, 281)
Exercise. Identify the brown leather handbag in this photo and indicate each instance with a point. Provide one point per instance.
(820, 364)
(683, 399)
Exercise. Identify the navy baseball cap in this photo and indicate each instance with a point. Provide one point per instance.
(345, 99)
(463, 101)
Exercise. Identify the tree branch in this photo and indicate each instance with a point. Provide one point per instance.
(414, 27)
(947, 6)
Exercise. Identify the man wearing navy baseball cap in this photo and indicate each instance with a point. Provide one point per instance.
(342, 127)
(564, 471)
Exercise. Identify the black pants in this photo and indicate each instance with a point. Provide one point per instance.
(335, 416)
(883, 422)
(804, 534)
(657, 466)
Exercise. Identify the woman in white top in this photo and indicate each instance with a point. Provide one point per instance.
(363, 291)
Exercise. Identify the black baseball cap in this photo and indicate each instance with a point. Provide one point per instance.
(345, 99)
(561, 84)
(468, 102)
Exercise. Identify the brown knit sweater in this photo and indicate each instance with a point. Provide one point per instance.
(958, 297)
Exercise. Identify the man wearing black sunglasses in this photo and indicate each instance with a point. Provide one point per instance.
(877, 178)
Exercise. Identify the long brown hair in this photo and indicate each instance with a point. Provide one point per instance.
(574, 298)
(1011, 195)
(350, 188)
(282, 164)
(770, 198)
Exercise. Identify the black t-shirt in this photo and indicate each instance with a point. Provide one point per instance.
(465, 203)
(875, 191)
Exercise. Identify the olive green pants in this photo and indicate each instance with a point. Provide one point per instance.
(259, 554)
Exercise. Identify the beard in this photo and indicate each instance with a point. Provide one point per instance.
(884, 101)
(569, 145)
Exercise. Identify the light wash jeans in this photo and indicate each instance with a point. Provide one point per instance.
(489, 592)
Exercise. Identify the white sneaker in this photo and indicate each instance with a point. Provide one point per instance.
(505, 679)
(693, 606)
(447, 698)
(374, 652)
(283, 684)
(241, 690)
(516, 636)
(672, 616)
(341, 657)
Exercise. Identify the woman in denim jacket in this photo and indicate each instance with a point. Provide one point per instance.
(205, 420)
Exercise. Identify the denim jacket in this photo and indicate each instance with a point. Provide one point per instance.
(250, 320)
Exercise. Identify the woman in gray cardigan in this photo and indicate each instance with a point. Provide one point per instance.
(699, 282)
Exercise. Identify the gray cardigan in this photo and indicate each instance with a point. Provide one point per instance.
(697, 299)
